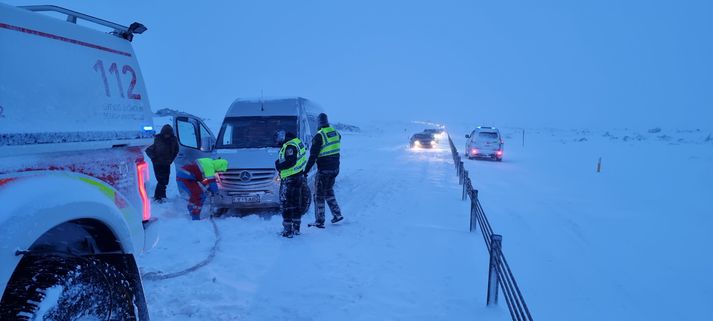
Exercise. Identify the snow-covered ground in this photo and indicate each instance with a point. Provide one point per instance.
(402, 253)
(633, 242)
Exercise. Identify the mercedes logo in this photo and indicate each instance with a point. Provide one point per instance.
(245, 176)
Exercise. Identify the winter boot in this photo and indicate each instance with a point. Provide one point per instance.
(296, 228)
(337, 219)
(195, 217)
(287, 232)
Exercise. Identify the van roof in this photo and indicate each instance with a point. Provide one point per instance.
(266, 107)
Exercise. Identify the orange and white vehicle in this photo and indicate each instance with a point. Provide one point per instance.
(74, 120)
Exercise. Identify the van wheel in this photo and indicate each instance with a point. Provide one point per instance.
(54, 287)
(218, 212)
(306, 199)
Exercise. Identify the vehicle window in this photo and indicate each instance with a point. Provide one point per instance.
(187, 133)
(488, 135)
(205, 138)
(227, 136)
(254, 132)
(204, 132)
(313, 123)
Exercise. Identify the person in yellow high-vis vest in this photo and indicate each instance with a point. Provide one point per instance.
(197, 179)
(325, 151)
(290, 165)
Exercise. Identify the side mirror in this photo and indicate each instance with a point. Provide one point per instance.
(467, 136)
(207, 144)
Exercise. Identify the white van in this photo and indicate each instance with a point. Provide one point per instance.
(74, 120)
(247, 140)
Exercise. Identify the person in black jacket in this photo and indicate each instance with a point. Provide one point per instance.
(325, 150)
(162, 153)
(290, 165)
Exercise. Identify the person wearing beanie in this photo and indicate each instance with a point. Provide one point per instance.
(324, 152)
(162, 153)
(290, 165)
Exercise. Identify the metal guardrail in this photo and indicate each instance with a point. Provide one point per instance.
(500, 273)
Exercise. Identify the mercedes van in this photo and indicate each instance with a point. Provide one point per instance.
(247, 140)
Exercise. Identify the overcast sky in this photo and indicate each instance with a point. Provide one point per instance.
(558, 63)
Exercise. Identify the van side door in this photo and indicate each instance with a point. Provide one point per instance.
(195, 140)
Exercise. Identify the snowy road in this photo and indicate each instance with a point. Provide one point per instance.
(402, 253)
(609, 245)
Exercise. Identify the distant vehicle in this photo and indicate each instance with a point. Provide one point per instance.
(484, 142)
(438, 133)
(75, 211)
(247, 140)
(423, 140)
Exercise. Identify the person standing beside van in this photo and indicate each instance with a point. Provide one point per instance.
(162, 153)
(197, 179)
(325, 150)
(290, 164)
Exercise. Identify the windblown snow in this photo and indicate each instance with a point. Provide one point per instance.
(632, 242)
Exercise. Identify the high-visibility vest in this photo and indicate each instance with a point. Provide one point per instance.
(301, 158)
(209, 166)
(331, 141)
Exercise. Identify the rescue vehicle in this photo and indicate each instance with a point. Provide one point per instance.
(74, 120)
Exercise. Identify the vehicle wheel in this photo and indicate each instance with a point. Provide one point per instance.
(499, 159)
(53, 287)
(306, 199)
(219, 211)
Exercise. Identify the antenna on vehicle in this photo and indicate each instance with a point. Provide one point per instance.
(262, 102)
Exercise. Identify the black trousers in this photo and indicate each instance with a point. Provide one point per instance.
(325, 192)
(291, 201)
(163, 173)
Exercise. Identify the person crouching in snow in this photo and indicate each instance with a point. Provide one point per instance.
(197, 179)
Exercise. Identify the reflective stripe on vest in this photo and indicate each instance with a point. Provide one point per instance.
(301, 158)
(331, 141)
(206, 165)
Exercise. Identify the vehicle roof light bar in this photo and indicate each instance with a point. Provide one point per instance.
(72, 16)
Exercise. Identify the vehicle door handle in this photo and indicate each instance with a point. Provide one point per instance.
(181, 154)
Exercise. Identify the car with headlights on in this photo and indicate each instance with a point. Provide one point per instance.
(423, 140)
(438, 133)
(484, 142)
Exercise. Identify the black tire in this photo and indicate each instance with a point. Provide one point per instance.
(306, 199)
(499, 159)
(80, 286)
(219, 211)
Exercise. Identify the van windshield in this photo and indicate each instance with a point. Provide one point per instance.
(254, 132)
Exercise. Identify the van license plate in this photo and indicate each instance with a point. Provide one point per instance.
(247, 199)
